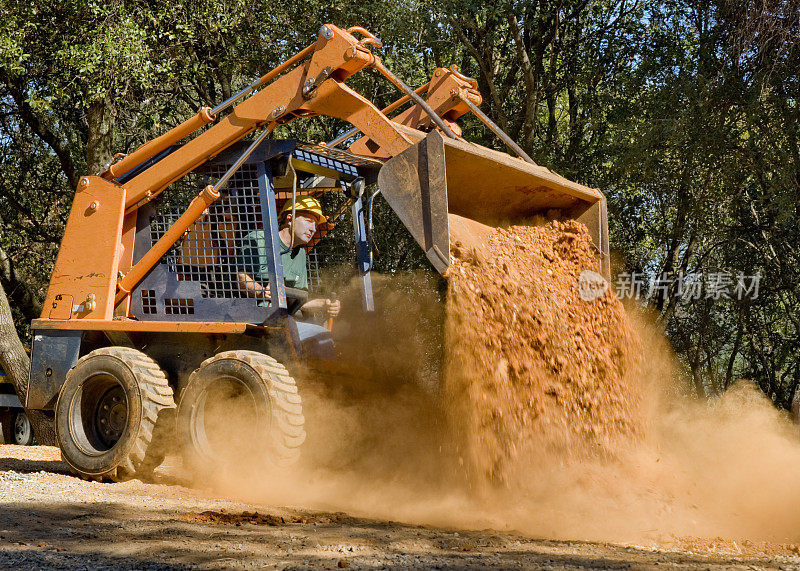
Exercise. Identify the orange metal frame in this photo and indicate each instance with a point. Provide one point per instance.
(94, 276)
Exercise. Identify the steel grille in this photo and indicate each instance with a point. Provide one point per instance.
(339, 155)
(312, 262)
(179, 306)
(148, 301)
(211, 251)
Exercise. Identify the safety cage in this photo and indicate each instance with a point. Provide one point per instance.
(198, 278)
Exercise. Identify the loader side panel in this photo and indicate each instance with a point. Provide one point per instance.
(53, 354)
(596, 220)
(84, 278)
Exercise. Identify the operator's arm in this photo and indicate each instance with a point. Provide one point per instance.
(317, 305)
(252, 287)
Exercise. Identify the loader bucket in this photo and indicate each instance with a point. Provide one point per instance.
(444, 189)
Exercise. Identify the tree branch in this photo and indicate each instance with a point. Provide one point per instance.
(487, 74)
(28, 115)
(23, 296)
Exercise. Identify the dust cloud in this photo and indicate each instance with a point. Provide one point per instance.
(502, 399)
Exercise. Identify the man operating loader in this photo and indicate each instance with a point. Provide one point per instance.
(253, 275)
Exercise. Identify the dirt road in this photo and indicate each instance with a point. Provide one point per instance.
(50, 519)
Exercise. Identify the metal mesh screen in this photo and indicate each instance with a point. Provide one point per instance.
(179, 306)
(332, 258)
(211, 251)
(149, 301)
(317, 158)
(312, 262)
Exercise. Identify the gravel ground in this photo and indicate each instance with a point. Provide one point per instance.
(52, 520)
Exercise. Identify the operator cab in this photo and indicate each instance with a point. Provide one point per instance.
(197, 279)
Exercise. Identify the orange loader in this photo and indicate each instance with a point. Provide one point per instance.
(147, 339)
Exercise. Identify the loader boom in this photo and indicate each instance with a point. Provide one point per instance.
(315, 87)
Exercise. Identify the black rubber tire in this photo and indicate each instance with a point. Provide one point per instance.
(110, 445)
(162, 444)
(270, 413)
(22, 429)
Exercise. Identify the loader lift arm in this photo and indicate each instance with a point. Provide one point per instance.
(314, 87)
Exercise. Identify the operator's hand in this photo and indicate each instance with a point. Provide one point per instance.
(333, 306)
(318, 305)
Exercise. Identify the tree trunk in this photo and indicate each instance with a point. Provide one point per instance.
(22, 295)
(16, 363)
(100, 120)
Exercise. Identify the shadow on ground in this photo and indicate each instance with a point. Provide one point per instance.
(118, 536)
(29, 466)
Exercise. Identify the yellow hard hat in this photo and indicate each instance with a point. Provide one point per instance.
(305, 204)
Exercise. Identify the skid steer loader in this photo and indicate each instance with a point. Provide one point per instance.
(145, 328)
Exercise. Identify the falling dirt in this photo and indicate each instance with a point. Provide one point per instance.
(572, 404)
(532, 369)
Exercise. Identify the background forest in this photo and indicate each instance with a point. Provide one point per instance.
(684, 112)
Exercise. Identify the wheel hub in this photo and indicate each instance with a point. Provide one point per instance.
(22, 429)
(111, 416)
(224, 415)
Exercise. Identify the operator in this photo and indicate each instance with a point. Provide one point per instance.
(307, 216)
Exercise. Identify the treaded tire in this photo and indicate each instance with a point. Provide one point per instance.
(274, 426)
(107, 410)
(161, 444)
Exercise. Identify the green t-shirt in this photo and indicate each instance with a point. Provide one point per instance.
(254, 261)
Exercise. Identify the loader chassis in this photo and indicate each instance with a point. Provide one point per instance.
(145, 324)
